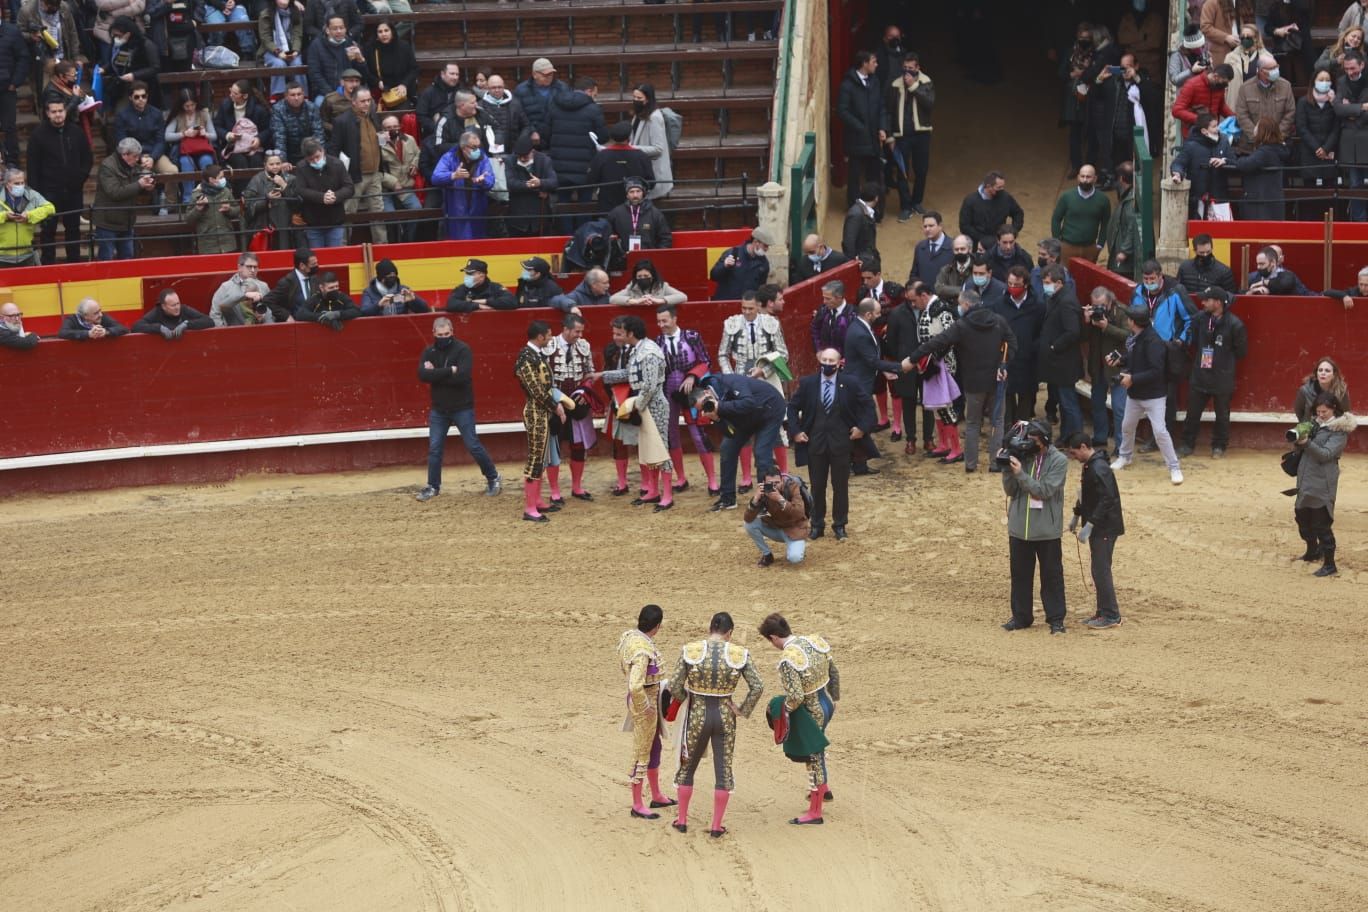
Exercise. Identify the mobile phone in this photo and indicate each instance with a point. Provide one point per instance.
(1115, 70)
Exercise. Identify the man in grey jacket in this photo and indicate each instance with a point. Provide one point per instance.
(1035, 523)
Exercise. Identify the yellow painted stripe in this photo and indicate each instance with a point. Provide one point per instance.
(114, 295)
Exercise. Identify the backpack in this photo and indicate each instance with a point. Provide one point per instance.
(674, 126)
(803, 490)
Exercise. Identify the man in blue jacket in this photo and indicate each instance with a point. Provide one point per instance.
(746, 408)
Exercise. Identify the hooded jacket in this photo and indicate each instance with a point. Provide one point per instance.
(570, 118)
(977, 338)
(1099, 502)
(1318, 472)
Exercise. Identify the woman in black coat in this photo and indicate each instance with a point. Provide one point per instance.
(1318, 129)
(243, 104)
(393, 66)
(1263, 174)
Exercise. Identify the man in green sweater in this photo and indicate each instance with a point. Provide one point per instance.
(1080, 218)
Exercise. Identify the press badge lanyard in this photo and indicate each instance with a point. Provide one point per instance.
(634, 241)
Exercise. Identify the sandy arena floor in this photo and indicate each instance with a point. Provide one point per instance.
(314, 693)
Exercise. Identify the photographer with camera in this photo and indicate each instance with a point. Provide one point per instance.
(1145, 379)
(241, 300)
(778, 512)
(746, 408)
(1033, 477)
(1220, 340)
(1099, 510)
(1318, 479)
(387, 296)
(1104, 330)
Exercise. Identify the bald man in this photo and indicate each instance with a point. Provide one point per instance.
(816, 258)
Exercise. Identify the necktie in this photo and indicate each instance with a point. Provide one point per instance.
(752, 331)
(828, 394)
(304, 286)
(674, 349)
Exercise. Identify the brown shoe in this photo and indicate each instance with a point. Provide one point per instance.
(765, 561)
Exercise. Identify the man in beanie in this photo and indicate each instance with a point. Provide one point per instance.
(1145, 378)
(1191, 59)
(617, 162)
(478, 292)
(386, 296)
(638, 224)
(536, 288)
(1220, 341)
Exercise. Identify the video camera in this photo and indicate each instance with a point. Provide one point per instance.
(1300, 432)
(1019, 443)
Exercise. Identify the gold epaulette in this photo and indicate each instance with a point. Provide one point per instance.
(795, 657)
(694, 652)
(736, 656)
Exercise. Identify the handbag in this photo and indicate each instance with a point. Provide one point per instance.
(262, 239)
(196, 146)
(390, 98)
(1291, 461)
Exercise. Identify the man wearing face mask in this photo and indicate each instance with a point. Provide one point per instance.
(1269, 276)
(295, 288)
(1061, 361)
(1080, 218)
(399, 161)
(447, 367)
(1202, 161)
(742, 269)
(478, 292)
(1024, 311)
(816, 259)
(387, 296)
(982, 282)
(1203, 95)
(323, 187)
(531, 186)
(910, 97)
(987, 209)
(828, 416)
(21, 209)
(889, 56)
(1204, 270)
(1266, 95)
(536, 288)
(329, 305)
(210, 213)
(332, 53)
(955, 275)
(1351, 107)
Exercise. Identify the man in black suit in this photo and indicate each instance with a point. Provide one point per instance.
(294, 290)
(931, 255)
(816, 259)
(860, 105)
(859, 234)
(862, 364)
(827, 415)
(745, 408)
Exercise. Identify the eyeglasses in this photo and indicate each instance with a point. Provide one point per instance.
(14, 316)
(138, 96)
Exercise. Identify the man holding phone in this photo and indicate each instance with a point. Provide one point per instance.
(387, 296)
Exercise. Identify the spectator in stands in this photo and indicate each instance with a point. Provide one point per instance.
(481, 84)
(1243, 61)
(387, 296)
(117, 186)
(1170, 316)
(280, 34)
(531, 180)
(191, 136)
(593, 290)
(1007, 253)
(1190, 59)
(479, 292)
(354, 135)
(241, 299)
(339, 101)
(1123, 229)
(318, 15)
(571, 118)
(131, 57)
(1201, 161)
(1347, 296)
(638, 224)
(22, 208)
(816, 259)
(438, 98)
(955, 275)
(648, 288)
(910, 98)
(12, 333)
(1266, 95)
(1356, 13)
(1204, 270)
(398, 180)
(210, 213)
(266, 202)
(616, 163)
(1218, 21)
(1104, 101)
(1318, 132)
(1262, 168)
(536, 288)
(394, 70)
(1326, 379)
(742, 268)
(217, 12)
(465, 178)
(295, 288)
(334, 52)
(932, 254)
(1103, 334)
(505, 113)
(59, 163)
(650, 135)
(55, 17)
(244, 122)
(859, 233)
(1219, 340)
(170, 318)
(465, 116)
(64, 86)
(328, 305)
(294, 119)
(1061, 361)
(1351, 106)
(989, 208)
(1270, 278)
(1204, 95)
(323, 186)
(1332, 58)
(1048, 252)
(15, 58)
(536, 95)
(860, 106)
(1023, 309)
(90, 324)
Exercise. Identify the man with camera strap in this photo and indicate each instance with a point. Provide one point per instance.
(1034, 482)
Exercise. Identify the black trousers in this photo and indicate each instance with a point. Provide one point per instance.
(916, 150)
(835, 466)
(863, 169)
(9, 122)
(1025, 555)
(1316, 527)
(909, 416)
(1197, 400)
(70, 204)
(1019, 407)
(1100, 548)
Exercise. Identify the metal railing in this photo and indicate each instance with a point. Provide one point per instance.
(803, 193)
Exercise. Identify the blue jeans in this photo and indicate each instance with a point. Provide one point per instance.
(758, 531)
(1070, 412)
(319, 238)
(766, 439)
(189, 163)
(1099, 410)
(246, 38)
(439, 425)
(113, 245)
(406, 232)
(277, 82)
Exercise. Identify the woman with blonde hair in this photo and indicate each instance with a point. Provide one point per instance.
(1244, 60)
(1332, 58)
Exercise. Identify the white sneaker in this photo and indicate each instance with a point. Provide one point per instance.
(1176, 476)
(1118, 464)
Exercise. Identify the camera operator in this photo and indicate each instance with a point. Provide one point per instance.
(1104, 329)
(778, 512)
(1034, 481)
(1318, 479)
(1145, 378)
(240, 301)
(1099, 509)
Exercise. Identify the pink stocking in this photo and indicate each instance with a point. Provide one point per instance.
(710, 469)
(621, 465)
(781, 458)
(541, 501)
(636, 798)
(685, 794)
(665, 488)
(530, 497)
(647, 480)
(553, 476)
(747, 453)
(895, 413)
(577, 476)
(653, 777)
(677, 460)
(720, 799)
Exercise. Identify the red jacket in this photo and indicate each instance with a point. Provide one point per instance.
(1198, 93)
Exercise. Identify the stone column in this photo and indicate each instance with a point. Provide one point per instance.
(1172, 246)
(774, 218)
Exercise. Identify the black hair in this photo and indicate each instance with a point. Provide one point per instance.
(327, 278)
(667, 308)
(302, 256)
(1329, 399)
(775, 625)
(537, 328)
(1077, 439)
(649, 618)
(767, 293)
(862, 57)
(631, 323)
(721, 623)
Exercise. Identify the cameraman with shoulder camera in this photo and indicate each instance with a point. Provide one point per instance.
(1099, 508)
(1034, 480)
(778, 512)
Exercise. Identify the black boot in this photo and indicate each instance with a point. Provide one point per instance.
(1328, 568)
(1313, 553)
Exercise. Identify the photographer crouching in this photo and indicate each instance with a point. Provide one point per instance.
(1033, 477)
(778, 512)
(1099, 509)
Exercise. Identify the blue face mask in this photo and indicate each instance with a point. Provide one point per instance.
(1273, 74)
(1151, 286)
(1323, 87)
(469, 281)
(1049, 289)
(318, 165)
(981, 280)
(526, 275)
(474, 154)
(19, 192)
